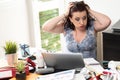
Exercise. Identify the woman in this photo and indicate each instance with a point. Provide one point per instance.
(79, 24)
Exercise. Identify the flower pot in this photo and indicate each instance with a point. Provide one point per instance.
(11, 59)
(21, 76)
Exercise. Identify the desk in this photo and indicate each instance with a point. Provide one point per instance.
(78, 76)
(31, 76)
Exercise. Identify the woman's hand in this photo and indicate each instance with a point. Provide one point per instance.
(87, 7)
(68, 9)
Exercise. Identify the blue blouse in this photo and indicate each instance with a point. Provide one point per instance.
(87, 46)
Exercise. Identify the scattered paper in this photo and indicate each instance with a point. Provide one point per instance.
(91, 61)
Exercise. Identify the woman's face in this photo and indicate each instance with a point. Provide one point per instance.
(79, 19)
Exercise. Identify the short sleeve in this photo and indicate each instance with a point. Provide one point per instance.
(67, 30)
(91, 27)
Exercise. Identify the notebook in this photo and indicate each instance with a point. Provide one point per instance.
(64, 61)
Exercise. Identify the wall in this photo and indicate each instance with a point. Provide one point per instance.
(13, 22)
(110, 8)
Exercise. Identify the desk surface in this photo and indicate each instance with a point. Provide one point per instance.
(31, 76)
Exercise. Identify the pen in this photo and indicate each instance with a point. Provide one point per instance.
(111, 77)
(94, 73)
(93, 76)
(107, 77)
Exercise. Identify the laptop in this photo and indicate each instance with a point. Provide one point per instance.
(64, 61)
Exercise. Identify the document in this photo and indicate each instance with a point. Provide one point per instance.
(93, 65)
(79, 76)
(91, 61)
(63, 75)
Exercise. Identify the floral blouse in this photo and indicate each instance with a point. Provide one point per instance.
(87, 46)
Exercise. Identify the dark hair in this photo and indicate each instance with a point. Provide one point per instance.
(78, 6)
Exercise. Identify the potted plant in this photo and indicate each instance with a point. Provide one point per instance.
(20, 70)
(10, 52)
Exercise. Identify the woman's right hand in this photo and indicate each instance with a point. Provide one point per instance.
(68, 9)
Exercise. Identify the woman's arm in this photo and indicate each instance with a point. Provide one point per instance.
(56, 24)
(101, 21)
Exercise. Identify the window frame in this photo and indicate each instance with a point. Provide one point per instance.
(34, 7)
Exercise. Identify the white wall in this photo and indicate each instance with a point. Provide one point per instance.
(110, 8)
(13, 22)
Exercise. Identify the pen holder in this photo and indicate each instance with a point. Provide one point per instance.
(25, 50)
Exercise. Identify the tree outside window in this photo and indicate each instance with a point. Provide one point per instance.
(49, 41)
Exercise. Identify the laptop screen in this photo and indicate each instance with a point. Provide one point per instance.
(64, 61)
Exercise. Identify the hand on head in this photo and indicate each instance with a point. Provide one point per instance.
(68, 8)
(71, 4)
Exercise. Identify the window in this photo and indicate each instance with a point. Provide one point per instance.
(49, 41)
(39, 11)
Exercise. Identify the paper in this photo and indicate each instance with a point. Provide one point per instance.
(63, 75)
(91, 61)
(79, 76)
(4, 74)
(98, 69)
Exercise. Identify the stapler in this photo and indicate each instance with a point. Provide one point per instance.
(30, 63)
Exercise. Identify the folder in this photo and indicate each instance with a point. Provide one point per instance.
(7, 72)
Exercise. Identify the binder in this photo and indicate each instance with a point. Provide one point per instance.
(7, 72)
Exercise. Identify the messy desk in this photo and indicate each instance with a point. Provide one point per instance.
(91, 71)
(70, 72)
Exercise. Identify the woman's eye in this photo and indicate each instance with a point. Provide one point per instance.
(84, 18)
(77, 19)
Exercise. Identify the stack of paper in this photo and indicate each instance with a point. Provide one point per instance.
(90, 61)
(93, 65)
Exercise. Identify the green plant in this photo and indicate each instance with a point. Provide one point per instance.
(20, 66)
(10, 47)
